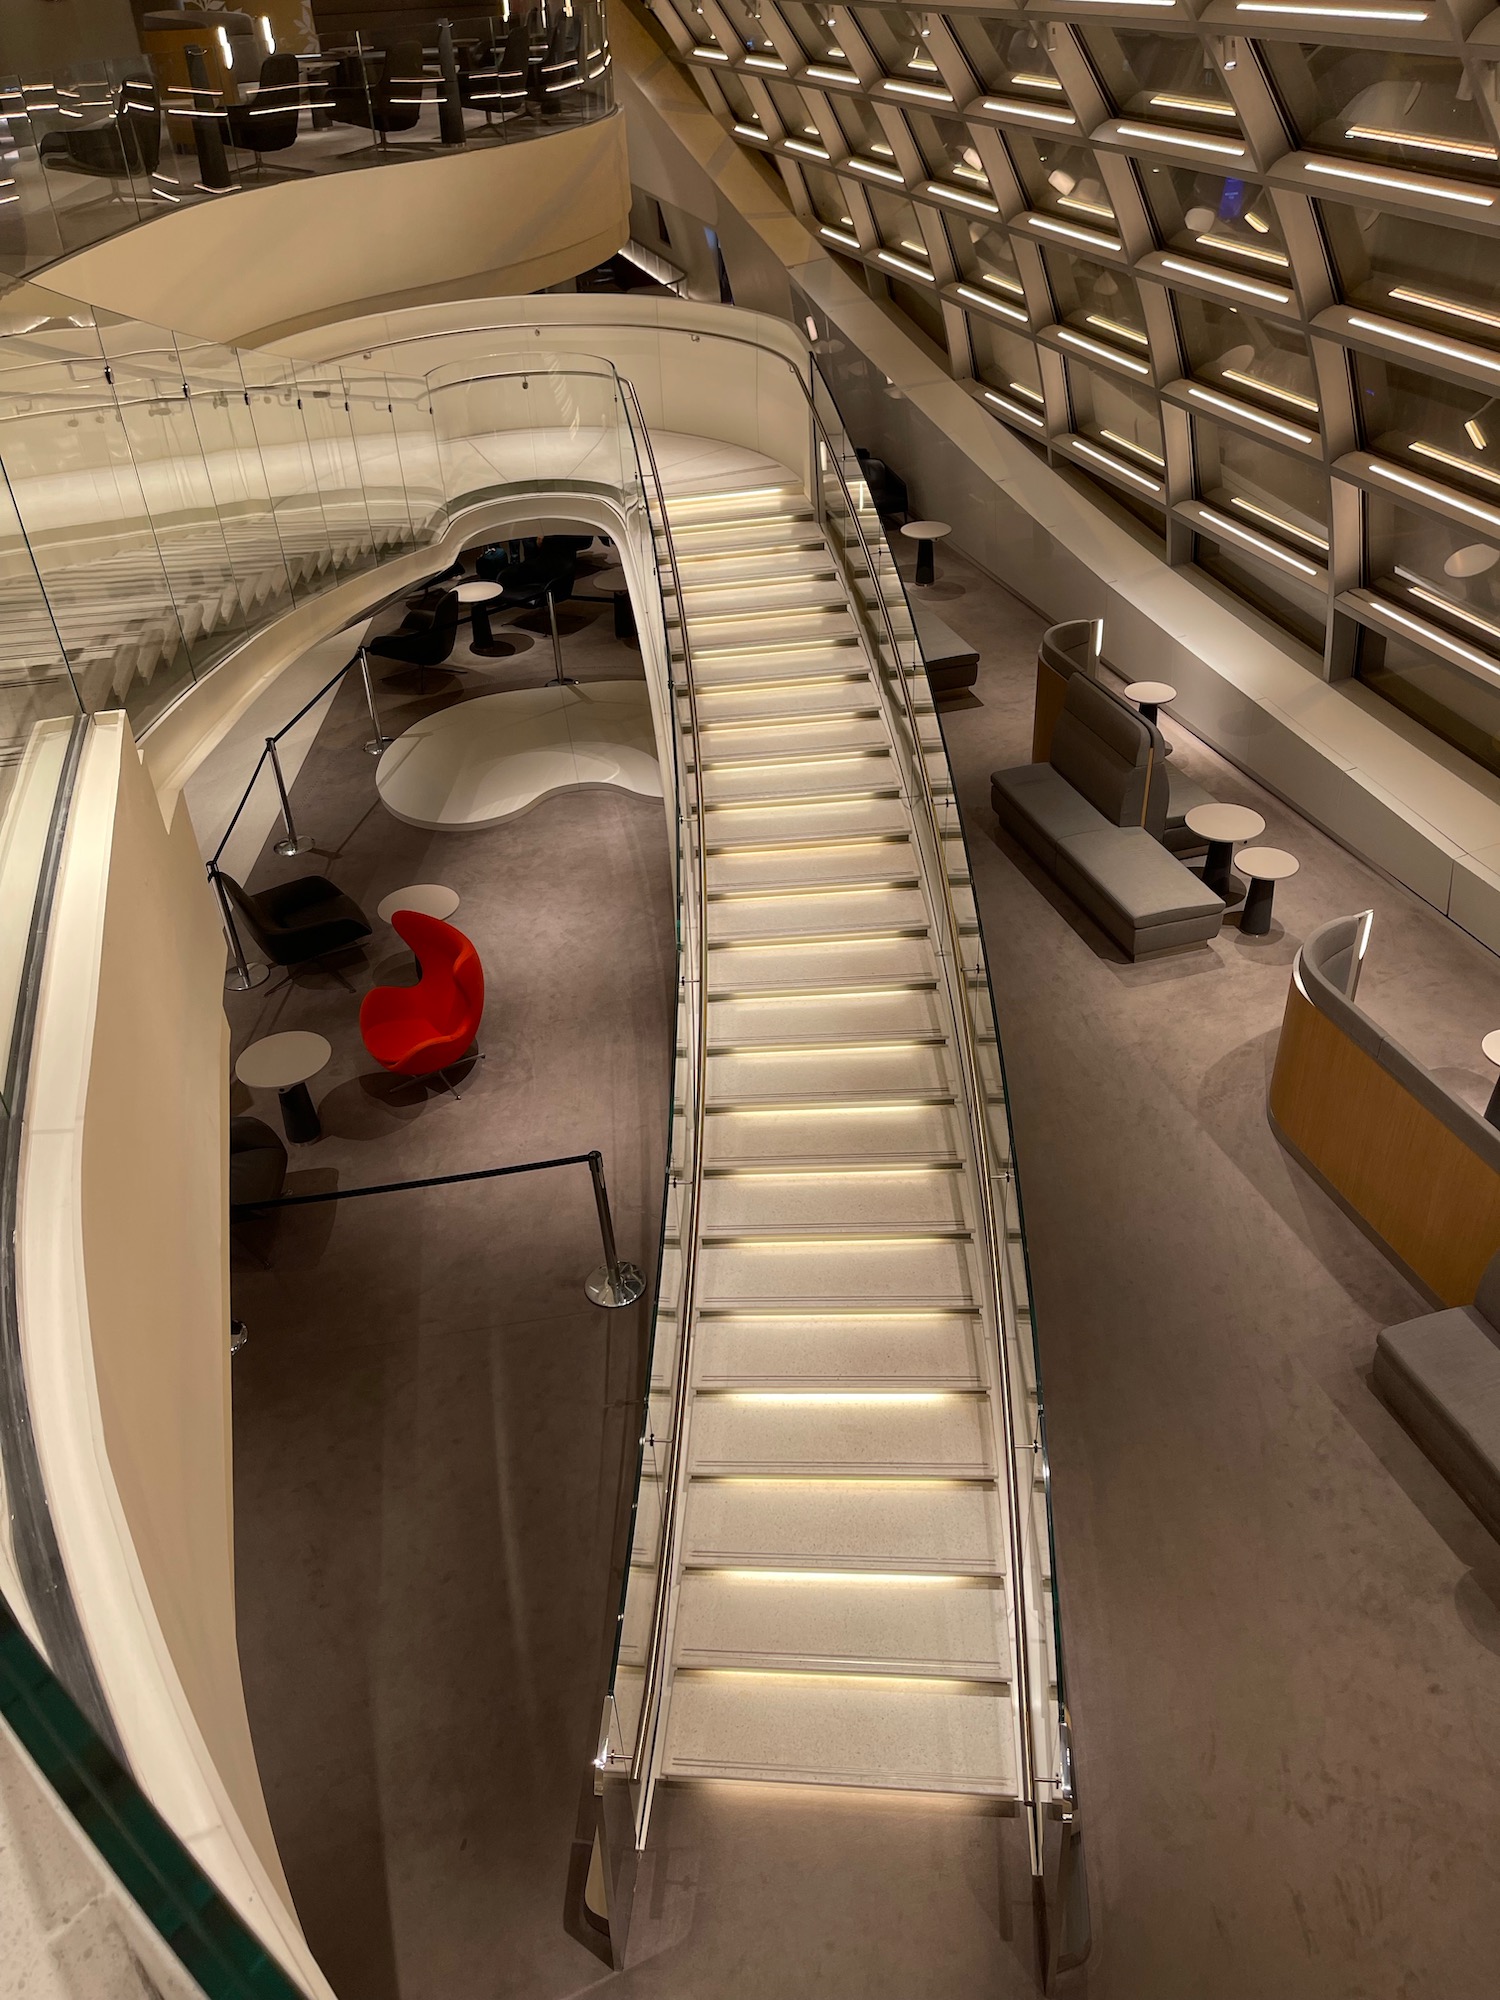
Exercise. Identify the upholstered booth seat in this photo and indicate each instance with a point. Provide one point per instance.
(257, 1162)
(951, 663)
(1441, 1375)
(419, 1030)
(1094, 815)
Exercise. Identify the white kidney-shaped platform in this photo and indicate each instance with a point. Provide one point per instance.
(486, 760)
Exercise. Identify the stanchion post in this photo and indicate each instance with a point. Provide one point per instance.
(293, 843)
(242, 976)
(379, 741)
(614, 1283)
(560, 679)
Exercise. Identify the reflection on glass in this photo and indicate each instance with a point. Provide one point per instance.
(1453, 431)
(948, 150)
(983, 254)
(1447, 575)
(1457, 702)
(1121, 415)
(1256, 360)
(1214, 217)
(1006, 56)
(1060, 179)
(1239, 560)
(827, 198)
(1007, 363)
(920, 304)
(899, 40)
(1415, 270)
(1383, 104)
(863, 131)
(1094, 296)
(1167, 79)
(1268, 494)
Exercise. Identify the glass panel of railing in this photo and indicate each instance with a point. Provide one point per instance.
(414, 423)
(336, 468)
(534, 420)
(93, 147)
(75, 485)
(290, 471)
(259, 584)
(850, 517)
(372, 429)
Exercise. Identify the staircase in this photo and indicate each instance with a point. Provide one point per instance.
(843, 1614)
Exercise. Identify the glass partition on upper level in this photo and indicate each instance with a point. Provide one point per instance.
(220, 100)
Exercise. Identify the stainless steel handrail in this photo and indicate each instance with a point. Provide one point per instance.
(979, 1138)
(647, 1760)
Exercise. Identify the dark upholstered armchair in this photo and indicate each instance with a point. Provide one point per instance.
(298, 920)
(120, 148)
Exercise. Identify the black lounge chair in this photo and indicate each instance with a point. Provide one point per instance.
(299, 920)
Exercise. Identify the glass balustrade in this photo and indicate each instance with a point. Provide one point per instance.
(225, 101)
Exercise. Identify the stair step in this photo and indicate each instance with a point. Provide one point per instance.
(876, 1198)
(841, 1270)
(953, 1527)
(935, 1434)
(922, 1737)
(842, 1622)
(913, 1351)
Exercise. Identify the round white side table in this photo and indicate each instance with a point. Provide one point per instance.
(924, 534)
(283, 1063)
(1265, 866)
(1148, 696)
(1491, 1049)
(479, 595)
(429, 899)
(1222, 827)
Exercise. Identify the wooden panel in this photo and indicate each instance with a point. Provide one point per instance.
(1397, 1165)
(1051, 692)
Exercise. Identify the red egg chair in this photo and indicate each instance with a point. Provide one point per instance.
(419, 1030)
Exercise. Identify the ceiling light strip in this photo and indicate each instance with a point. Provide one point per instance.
(1271, 389)
(1443, 495)
(997, 306)
(880, 173)
(1209, 274)
(1007, 107)
(1103, 353)
(1426, 595)
(1275, 521)
(1014, 409)
(1451, 350)
(1407, 297)
(1246, 414)
(1090, 237)
(929, 93)
(1439, 641)
(904, 264)
(1258, 543)
(1158, 135)
(974, 201)
(1112, 464)
(1425, 450)
(1402, 183)
(1211, 241)
(834, 76)
(1422, 141)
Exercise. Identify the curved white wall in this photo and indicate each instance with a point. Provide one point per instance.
(261, 262)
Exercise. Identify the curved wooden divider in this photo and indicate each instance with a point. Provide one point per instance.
(1417, 1168)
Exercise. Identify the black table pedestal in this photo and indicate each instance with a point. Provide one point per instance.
(1218, 874)
(483, 638)
(926, 568)
(299, 1116)
(1255, 918)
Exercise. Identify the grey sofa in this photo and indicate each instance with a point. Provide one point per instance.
(1093, 814)
(1441, 1376)
(952, 663)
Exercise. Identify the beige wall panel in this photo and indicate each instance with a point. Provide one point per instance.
(496, 218)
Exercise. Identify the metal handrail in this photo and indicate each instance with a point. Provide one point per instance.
(979, 1138)
(652, 1704)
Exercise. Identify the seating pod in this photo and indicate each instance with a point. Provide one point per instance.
(1419, 1169)
(1093, 815)
(1074, 647)
(419, 1030)
(1441, 1376)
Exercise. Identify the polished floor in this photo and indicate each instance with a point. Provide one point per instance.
(430, 1418)
(1282, 1627)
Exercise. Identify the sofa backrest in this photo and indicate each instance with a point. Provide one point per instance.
(1112, 755)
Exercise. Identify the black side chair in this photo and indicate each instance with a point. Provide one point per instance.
(257, 1162)
(887, 489)
(559, 66)
(425, 638)
(267, 123)
(514, 66)
(298, 920)
(125, 146)
(392, 103)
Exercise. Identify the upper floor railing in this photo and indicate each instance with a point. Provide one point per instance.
(219, 101)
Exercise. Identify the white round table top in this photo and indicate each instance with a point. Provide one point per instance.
(475, 592)
(1225, 822)
(276, 1061)
(1471, 561)
(927, 531)
(1266, 864)
(1491, 1047)
(1151, 691)
(430, 899)
(610, 579)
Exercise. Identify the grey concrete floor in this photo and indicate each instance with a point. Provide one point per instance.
(1282, 1627)
(431, 1422)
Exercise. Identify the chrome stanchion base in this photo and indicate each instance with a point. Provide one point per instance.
(236, 981)
(378, 745)
(620, 1287)
(301, 845)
